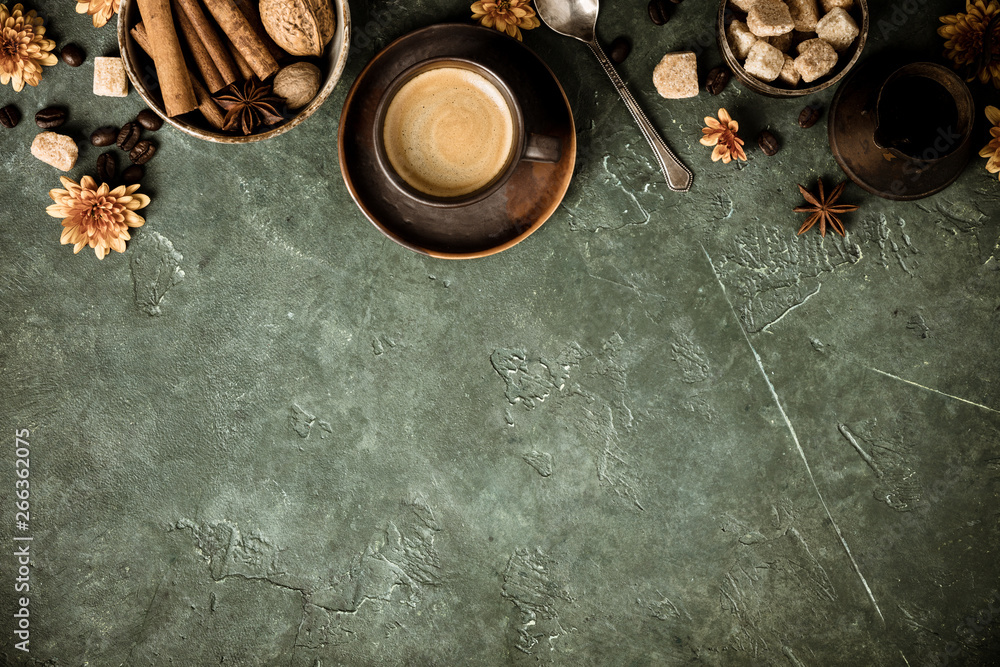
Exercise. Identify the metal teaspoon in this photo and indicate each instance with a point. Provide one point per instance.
(578, 19)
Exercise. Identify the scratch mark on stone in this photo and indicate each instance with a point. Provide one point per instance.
(303, 422)
(666, 610)
(795, 438)
(918, 325)
(771, 272)
(540, 461)
(792, 307)
(854, 443)
(149, 608)
(915, 384)
(791, 656)
(876, 229)
(155, 269)
(529, 586)
(691, 358)
(904, 658)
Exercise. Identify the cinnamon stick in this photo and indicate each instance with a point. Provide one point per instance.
(241, 64)
(206, 105)
(171, 70)
(241, 34)
(202, 58)
(210, 40)
(251, 10)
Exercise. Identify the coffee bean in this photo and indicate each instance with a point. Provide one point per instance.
(72, 55)
(142, 152)
(717, 80)
(149, 120)
(128, 136)
(659, 11)
(619, 50)
(104, 136)
(809, 116)
(768, 143)
(10, 116)
(107, 167)
(51, 117)
(133, 174)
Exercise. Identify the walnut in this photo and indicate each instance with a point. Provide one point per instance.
(301, 27)
(298, 83)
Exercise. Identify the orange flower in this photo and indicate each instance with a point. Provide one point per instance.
(722, 134)
(506, 15)
(100, 11)
(98, 217)
(967, 35)
(23, 48)
(992, 149)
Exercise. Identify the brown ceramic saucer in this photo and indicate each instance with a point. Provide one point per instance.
(852, 139)
(504, 218)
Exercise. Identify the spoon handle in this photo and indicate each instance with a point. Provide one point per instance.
(679, 177)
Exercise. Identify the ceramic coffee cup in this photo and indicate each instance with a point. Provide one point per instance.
(924, 113)
(449, 132)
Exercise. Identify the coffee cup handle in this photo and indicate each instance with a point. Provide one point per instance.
(542, 148)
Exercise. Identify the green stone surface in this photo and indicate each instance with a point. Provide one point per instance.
(662, 430)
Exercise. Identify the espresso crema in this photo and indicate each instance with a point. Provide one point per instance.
(448, 132)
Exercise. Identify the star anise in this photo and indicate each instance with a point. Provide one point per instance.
(249, 105)
(824, 209)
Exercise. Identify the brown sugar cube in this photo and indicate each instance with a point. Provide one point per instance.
(781, 42)
(838, 28)
(804, 13)
(741, 40)
(764, 61)
(788, 73)
(817, 58)
(830, 5)
(742, 5)
(768, 18)
(676, 76)
(56, 150)
(110, 79)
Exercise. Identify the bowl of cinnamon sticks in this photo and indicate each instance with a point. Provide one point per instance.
(234, 71)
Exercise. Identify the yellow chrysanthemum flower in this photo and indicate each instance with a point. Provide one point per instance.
(992, 149)
(967, 35)
(23, 47)
(94, 216)
(510, 16)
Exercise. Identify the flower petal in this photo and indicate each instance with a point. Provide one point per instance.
(993, 114)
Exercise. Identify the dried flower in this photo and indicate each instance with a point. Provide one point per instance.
(98, 217)
(973, 40)
(992, 149)
(824, 209)
(722, 134)
(100, 11)
(508, 16)
(252, 105)
(23, 48)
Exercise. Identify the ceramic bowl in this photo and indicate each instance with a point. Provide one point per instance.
(142, 74)
(776, 88)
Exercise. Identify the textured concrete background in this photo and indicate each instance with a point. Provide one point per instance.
(662, 430)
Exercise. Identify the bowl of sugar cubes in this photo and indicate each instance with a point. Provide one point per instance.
(790, 48)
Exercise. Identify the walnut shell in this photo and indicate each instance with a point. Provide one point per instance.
(300, 27)
(297, 83)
